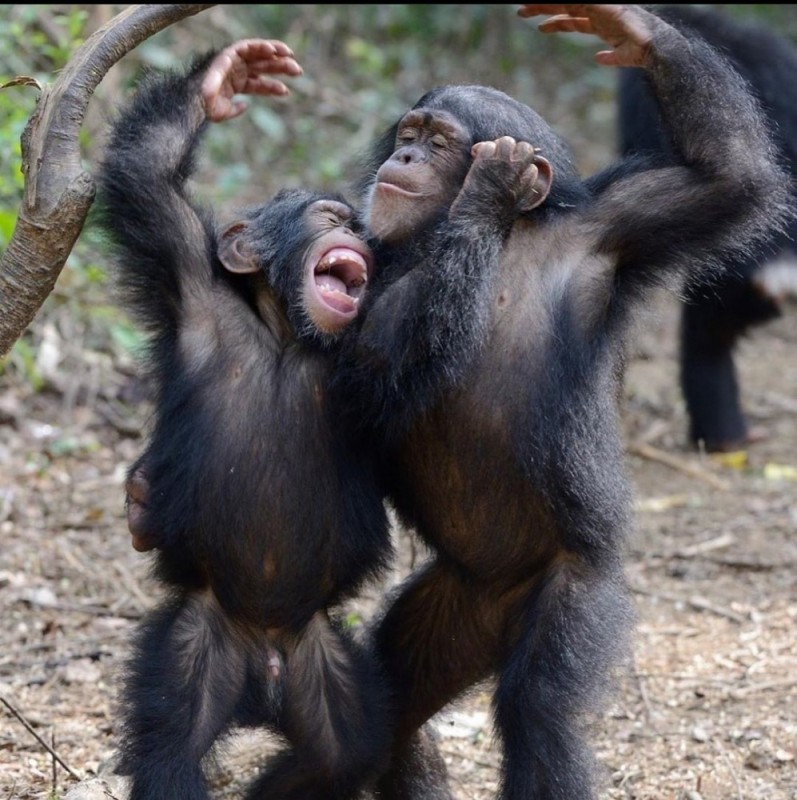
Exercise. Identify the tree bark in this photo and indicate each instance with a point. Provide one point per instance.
(58, 192)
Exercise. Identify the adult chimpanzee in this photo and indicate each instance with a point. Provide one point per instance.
(493, 384)
(746, 292)
(264, 516)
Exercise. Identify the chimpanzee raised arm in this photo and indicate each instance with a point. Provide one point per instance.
(726, 189)
(264, 514)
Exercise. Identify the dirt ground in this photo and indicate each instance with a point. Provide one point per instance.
(707, 710)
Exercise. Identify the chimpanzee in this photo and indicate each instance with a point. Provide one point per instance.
(493, 386)
(264, 517)
(718, 312)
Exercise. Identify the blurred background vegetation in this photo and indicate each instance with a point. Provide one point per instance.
(363, 66)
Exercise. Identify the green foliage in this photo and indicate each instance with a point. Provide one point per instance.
(127, 337)
(26, 49)
(22, 361)
(14, 111)
(8, 220)
(37, 42)
(782, 17)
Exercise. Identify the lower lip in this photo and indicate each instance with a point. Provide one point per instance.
(391, 188)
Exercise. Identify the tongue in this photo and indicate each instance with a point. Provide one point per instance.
(333, 292)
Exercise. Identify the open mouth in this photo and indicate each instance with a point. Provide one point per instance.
(341, 276)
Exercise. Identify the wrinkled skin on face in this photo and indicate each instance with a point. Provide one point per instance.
(336, 267)
(323, 278)
(421, 178)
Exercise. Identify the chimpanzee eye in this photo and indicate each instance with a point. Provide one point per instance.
(336, 214)
(407, 136)
(439, 140)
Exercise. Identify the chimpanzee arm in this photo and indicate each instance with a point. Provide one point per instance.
(142, 199)
(165, 239)
(727, 191)
(422, 330)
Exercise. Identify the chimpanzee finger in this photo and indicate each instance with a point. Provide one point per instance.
(564, 23)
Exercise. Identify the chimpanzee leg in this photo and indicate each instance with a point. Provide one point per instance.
(712, 320)
(335, 716)
(572, 628)
(184, 680)
(418, 771)
(709, 384)
(438, 638)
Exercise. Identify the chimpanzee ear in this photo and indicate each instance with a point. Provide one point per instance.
(541, 185)
(235, 252)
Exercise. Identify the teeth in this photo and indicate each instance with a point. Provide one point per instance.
(348, 264)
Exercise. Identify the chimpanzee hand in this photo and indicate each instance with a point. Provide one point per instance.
(504, 172)
(137, 490)
(242, 68)
(628, 29)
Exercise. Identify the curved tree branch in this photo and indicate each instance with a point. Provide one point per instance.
(58, 192)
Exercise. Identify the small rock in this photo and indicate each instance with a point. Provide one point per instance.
(83, 670)
(700, 734)
(111, 786)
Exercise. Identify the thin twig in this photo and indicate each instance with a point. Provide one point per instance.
(651, 453)
(55, 763)
(717, 543)
(744, 691)
(643, 693)
(133, 585)
(701, 604)
(93, 610)
(728, 763)
(54, 663)
(29, 729)
(698, 603)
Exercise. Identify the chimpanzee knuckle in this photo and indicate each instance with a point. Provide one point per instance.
(504, 147)
(484, 150)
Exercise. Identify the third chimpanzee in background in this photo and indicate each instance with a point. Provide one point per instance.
(493, 386)
(264, 515)
(746, 292)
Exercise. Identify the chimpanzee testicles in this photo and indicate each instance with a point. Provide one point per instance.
(750, 288)
(493, 383)
(266, 518)
(263, 515)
